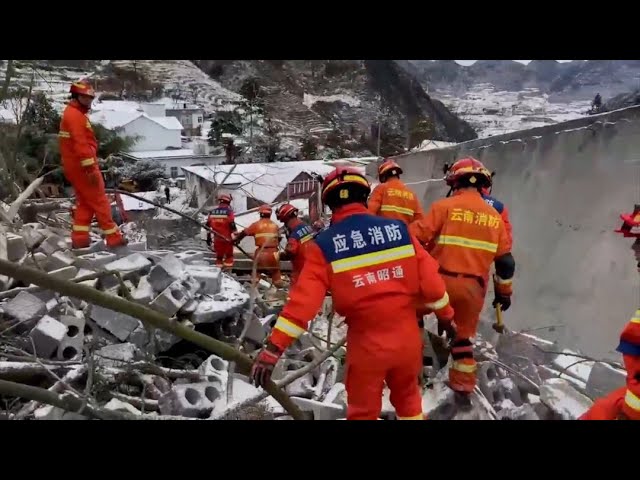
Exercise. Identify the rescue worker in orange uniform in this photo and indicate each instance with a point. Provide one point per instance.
(298, 234)
(78, 149)
(222, 221)
(465, 235)
(392, 198)
(267, 238)
(624, 403)
(375, 270)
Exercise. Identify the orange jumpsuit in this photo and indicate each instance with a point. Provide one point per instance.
(375, 270)
(393, 199)
(299, 233)
(222, 221)
(78, 148)
(623, 403)
(266, 234)
(465, 235)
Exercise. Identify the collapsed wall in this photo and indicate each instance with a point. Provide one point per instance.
(565, 186)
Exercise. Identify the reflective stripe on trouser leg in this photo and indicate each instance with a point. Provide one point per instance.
(95, 198)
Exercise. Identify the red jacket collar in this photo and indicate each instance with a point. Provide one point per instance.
(348, 210)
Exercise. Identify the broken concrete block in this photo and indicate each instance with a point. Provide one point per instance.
(143, 293)
(215, 368)
(192, 400)
(16, 248)
(604, 379)
(207, 312)
(49, 412)
(169, 270)
(51, 304)
(129, 265)
(320, 410)
(39, 262)
(301, 387)
(189, 307)
(70, 348)
(52, 244)
(116, 405)
(31, 236)
(137, 246)
(258, 329)
(191, 284)
(172, 299)
(523, 412)
(156, 256)
(26, 309)
(140, 337)
(45, 295)
(66, 273)
(337, 395)
(60, 259)
(190, 256)
(47, 336)
(527, 346)
(98, 259)
(563, 399)
(119, 324)
(210, 278)
(118, 355)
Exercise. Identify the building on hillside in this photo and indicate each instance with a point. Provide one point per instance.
(174, 160)
(190, 116)
(157, 132)
(254, 184)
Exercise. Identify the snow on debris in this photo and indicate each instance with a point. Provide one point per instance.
(309, 100)
(574, 365)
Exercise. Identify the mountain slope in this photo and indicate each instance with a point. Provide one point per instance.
(347, 94)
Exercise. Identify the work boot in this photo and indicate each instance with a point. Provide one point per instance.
(121, 242)
(77, 245)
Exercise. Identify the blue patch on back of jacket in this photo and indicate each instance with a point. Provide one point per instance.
(301, 231)
(361, 234)
(495, 203)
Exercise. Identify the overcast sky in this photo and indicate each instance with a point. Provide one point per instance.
(469, 62)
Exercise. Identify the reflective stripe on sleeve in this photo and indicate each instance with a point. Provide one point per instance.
(64, 134)
(86, 162)
(438, 304)
(288, 328)
(632, 400)
(636, 317)
(370, 259)
(467, 243)
(266, 235)
(502, 281)
(111, 231)
(394, 208)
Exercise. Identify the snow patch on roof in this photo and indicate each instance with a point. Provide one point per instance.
(114, 118)
(262, 181)
(116, 106)
(170, 123)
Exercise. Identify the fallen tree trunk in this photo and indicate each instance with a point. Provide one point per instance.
(147, 316)
(23, 371)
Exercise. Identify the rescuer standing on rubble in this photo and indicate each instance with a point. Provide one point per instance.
(465, 235)
(392, 198)
(375, 270)
(78, 149)
(298, 234)
(624, 403)
(222, 221)
(267, 238)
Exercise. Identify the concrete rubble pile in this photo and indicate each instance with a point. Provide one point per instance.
(522, 377)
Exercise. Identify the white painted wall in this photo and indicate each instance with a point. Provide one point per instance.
(153, 136)
(203, 189)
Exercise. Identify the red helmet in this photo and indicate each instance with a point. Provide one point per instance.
(388, 167)
(285, 211)
(629, 346)
(83, 87)
(348, 177)
(630, 223)
(467, 167)
(224, 197)
(265, 210)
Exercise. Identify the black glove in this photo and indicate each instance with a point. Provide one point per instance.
(448, 327)
(209, 238)
(503, 300)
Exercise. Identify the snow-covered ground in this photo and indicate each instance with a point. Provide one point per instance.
(493, 112)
